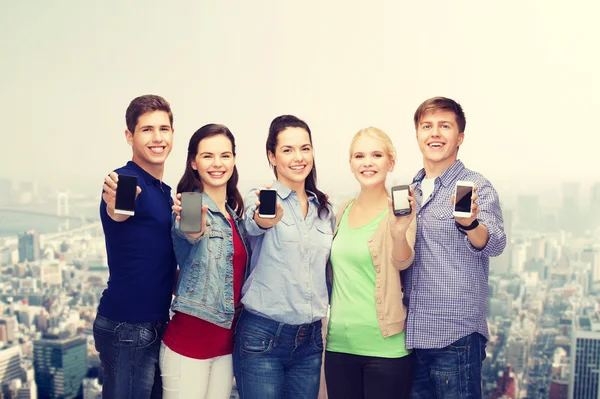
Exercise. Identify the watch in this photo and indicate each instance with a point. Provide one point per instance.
(469, 227)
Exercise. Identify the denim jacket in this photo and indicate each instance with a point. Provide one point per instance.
(205, 283)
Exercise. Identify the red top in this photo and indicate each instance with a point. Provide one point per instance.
(192, 337)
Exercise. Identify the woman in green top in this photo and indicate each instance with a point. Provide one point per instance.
(365, 355)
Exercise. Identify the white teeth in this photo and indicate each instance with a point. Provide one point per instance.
(437, 145)
(368, 174)
(296, 167)
(216, 174)
(157, 150)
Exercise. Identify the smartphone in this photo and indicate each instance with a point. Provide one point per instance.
(191, 212)
(400, 202)
(268, 203)
(125, 197)
(462, 199)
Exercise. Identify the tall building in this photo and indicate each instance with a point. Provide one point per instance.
(591, 256)
(585, 358)
(559, 389)
(51, 273)
(29, 246)
(10, 364)
(506, 385)
(60, 365)
(528, 211)
(10, 328)
(571, 212)
(595, 205)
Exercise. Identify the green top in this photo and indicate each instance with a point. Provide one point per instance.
(353, 326)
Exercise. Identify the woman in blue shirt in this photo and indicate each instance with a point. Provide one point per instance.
(278, 343)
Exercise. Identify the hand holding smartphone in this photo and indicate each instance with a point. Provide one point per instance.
(191, 212)
(463, 191)
(400, 203)
(125, 195)
(267, 209)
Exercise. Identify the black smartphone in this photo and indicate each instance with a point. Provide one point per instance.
(125, 197)
(463, 191)
(400, 202)
(268, 203)
(191, 212)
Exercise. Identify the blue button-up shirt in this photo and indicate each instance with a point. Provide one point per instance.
(447, 285)
(287, 270)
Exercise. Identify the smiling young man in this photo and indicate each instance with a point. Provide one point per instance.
(134, 308)
(447, 285)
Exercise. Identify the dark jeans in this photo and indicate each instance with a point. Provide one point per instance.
(273, 360)
(453, 372)
(367, 377)
(129, 357)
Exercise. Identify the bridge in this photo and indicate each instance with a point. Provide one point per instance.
(47, 214)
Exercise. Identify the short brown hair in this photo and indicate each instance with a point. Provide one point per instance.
(442, 104)
(144, 104)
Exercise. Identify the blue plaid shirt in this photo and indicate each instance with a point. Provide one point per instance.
(447, 284)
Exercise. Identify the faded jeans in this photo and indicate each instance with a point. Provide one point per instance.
(273, 360)
(453, 372)
(129, 357)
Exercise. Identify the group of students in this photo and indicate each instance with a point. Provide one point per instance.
(406, 296)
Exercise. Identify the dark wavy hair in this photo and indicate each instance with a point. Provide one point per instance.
(144, 104)
(278, 125)
(191, 181)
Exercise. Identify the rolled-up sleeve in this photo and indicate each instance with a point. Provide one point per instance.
(252, 228)
(411, 234)
(177, 234)
(490, 215)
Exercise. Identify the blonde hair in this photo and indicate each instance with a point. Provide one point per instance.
(379, 134)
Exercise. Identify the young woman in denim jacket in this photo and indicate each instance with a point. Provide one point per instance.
(278, 342)
(195, 356)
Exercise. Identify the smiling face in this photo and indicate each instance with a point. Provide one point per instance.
(214, 161)
(293, 157)
(151, 141)
(439, 138)
(370, 161)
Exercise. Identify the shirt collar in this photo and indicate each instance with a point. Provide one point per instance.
(148, 178)
(447, 178)
(206, 200)
(284, 192)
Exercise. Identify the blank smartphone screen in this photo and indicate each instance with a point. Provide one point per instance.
(268, 202)
(191, 212)
(463, 199)
(401, 199)
(125, 197)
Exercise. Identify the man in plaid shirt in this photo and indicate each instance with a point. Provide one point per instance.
(446, 288)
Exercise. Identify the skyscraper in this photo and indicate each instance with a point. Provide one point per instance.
(595, 205)
(571, 212)
(585, 358)
(29, 246)
(60, 365)
(10, 327)
(10, 364)
(528, 211)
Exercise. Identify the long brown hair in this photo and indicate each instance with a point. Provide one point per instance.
(191, 181)
(278, 125)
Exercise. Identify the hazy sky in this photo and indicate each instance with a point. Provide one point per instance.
(526, 73)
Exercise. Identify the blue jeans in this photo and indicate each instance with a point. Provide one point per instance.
(453, 372)
(273, 360)
(129, 357)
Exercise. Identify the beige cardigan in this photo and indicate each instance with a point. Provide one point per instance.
(391, 312)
